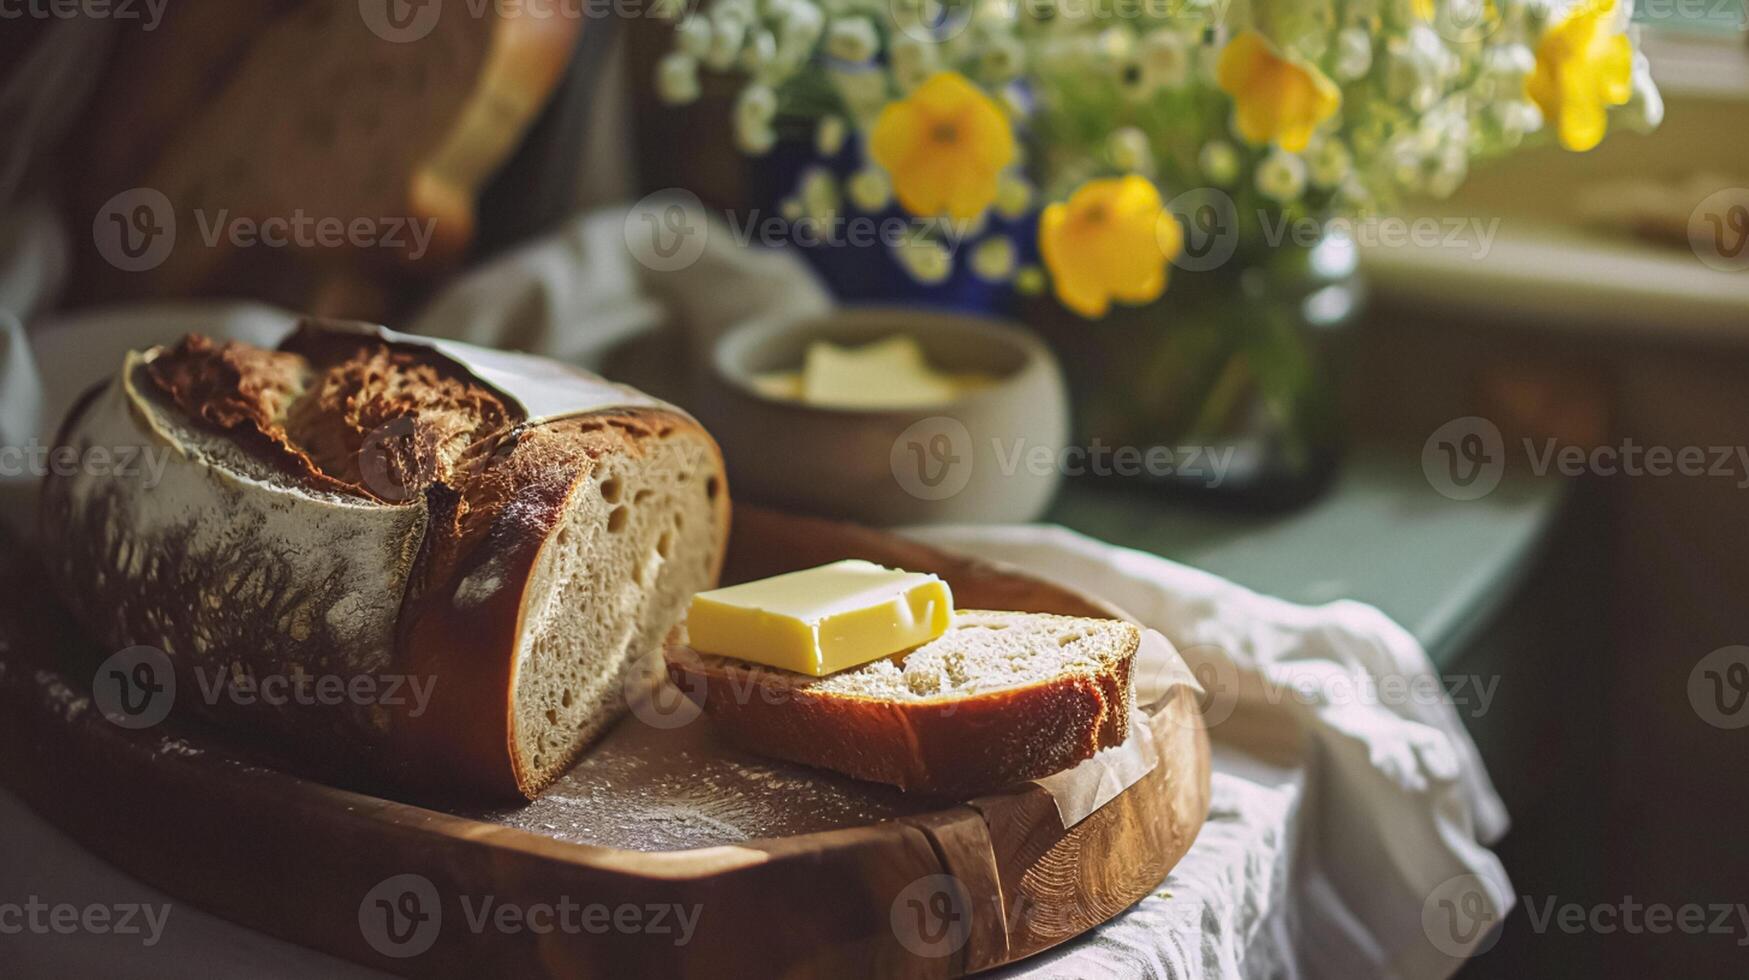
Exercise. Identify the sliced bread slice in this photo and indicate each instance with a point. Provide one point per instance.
(1002, 697)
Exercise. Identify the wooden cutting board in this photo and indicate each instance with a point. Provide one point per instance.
(781, 870)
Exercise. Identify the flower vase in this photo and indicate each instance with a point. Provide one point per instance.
(1226, 387)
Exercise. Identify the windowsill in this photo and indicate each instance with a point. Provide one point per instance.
(1543, 266)
(1711, 66)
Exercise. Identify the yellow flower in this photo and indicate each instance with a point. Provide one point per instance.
(945, 146)
(1582, 65)
(1275, 97)
(1110, 240)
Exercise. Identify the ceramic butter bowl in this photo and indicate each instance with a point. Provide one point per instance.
(987, 454)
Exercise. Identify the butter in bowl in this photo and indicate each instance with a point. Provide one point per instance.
(889, 374)
(889, 416)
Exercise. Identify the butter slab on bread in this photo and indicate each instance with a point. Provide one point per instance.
(1000, 698)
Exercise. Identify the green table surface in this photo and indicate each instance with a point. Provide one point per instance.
(1381, 534)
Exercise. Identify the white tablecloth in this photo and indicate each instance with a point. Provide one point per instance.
(1342, 856)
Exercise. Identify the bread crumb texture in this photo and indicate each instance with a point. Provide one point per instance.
(981, 652)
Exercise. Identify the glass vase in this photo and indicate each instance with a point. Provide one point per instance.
(1225, 388)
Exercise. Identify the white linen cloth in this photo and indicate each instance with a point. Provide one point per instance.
(1345, 822)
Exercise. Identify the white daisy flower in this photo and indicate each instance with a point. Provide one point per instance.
(1002, 59)
(927, 261)
(1329, 162)
(799, 30)
(908, 78)
(1219, 162)
(829, 136)
(677, 78)
(819, 193)
(756, 106)
(864, 91)
(1117, 43)
(909, 55)
(754, 141)
(852, 40)
(1353, 53)
(1130, 151)
(1013, 196)
(1281, 176)
(993, 259)
(1165, 57)
(870, 189)
(693, 36)
(1509, 63)
(760, 52)
(1448, 172)
(728, 31)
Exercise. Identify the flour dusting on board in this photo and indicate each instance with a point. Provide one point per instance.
(648, 790)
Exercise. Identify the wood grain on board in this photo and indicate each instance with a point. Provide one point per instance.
(791, 872)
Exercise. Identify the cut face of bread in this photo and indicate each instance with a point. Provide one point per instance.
(632, 546)
(1000, 698)
(353, 505)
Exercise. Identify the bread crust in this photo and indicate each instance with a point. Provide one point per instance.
(259, 556)
(952, 746)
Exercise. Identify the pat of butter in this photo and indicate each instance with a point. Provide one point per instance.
(889, 374)
(821, 620)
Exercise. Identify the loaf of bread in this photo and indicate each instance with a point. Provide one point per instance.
(511, 533)
(1000, 698)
